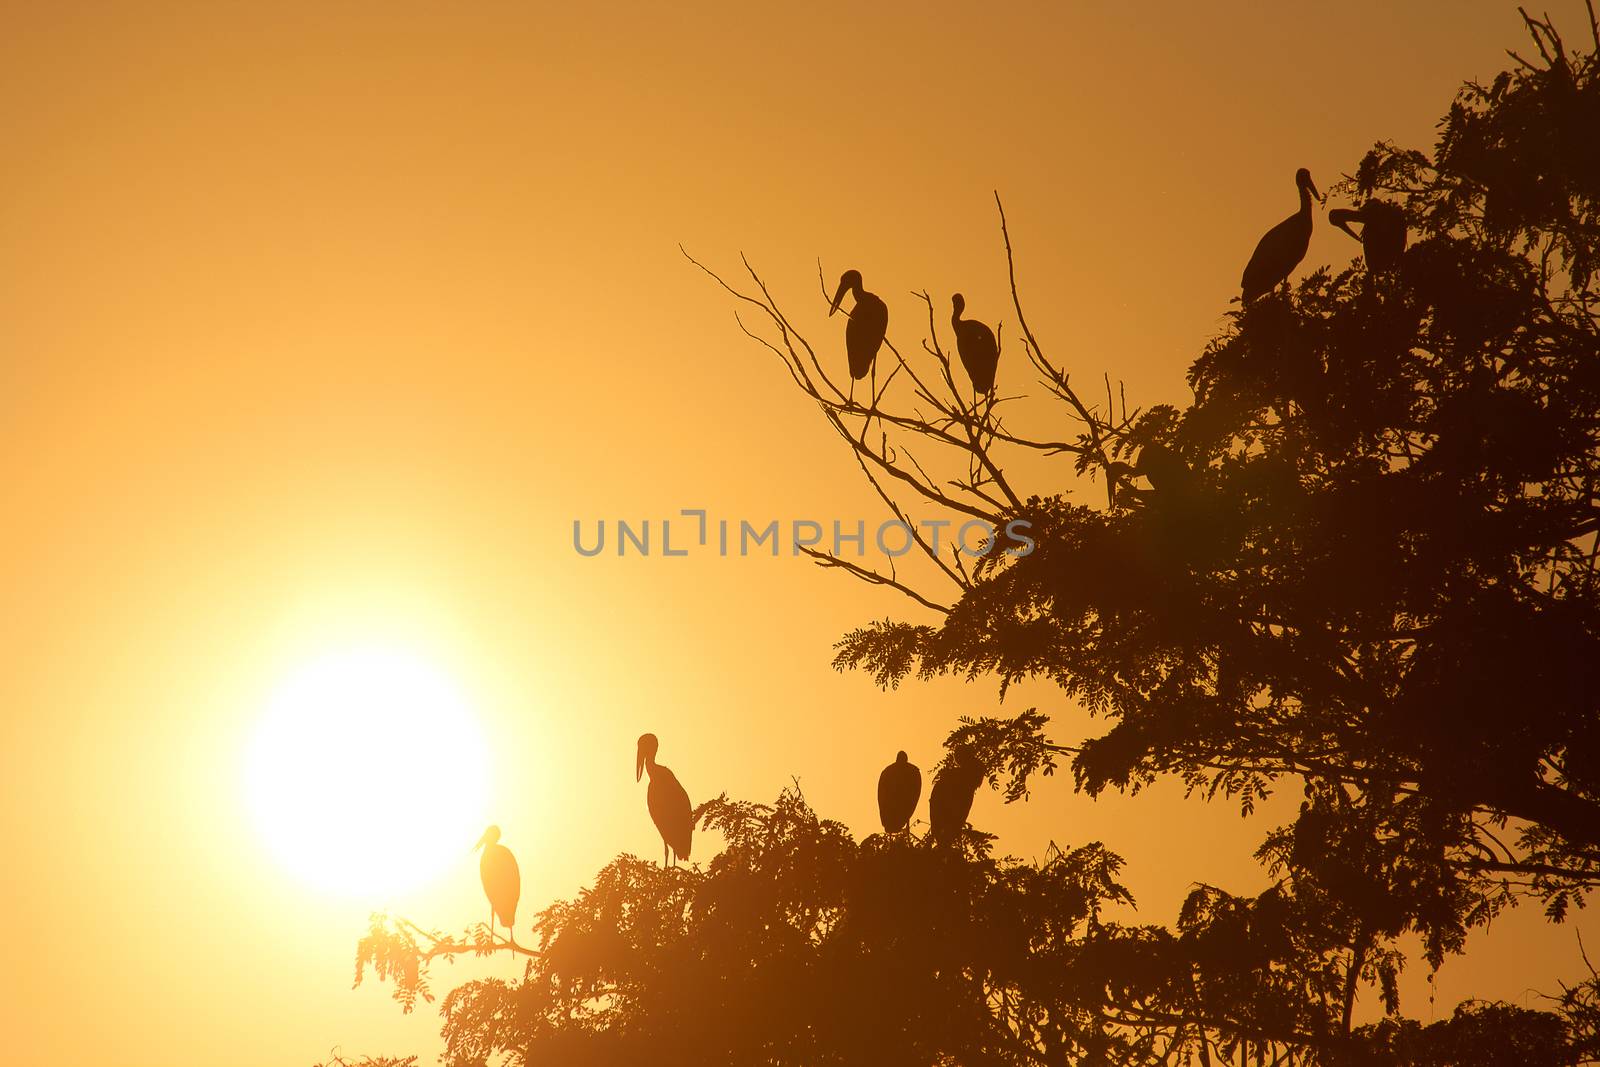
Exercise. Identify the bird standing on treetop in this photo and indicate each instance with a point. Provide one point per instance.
(1383, 232)
(1283, 246)
(502, 882)
(950, 802)
(863, 336)
(899, 789)
(1165, 469)
(668, 802)
(976, 344)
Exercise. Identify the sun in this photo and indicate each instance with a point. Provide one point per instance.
(367, 774)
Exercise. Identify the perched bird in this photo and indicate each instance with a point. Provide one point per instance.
(1165, 469)
(950, 802)
(502, 882)
(863, 336)
(669, 802)
(976, 344)
(1383, 232)
(899, 788)
(1283, 246)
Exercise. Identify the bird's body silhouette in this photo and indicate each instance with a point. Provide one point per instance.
(950, 801)
(668, 802)
(502, 881)
(864, 334)
(899, 789)
(1165, 469)
(1383, 232)
(1283, 247)
(975, 343)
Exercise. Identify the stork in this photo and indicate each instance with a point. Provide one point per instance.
(950, 802)
(1383, 232)
(502, 882)
(668, 801)
(1283, 247)
(976, 345)
(899, 788)
(1165, 469)
(864, 334)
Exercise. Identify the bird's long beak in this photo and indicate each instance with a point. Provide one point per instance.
(837, 297)
(1342, 217)
(1316, 193)
(484, 840)
(638, 767)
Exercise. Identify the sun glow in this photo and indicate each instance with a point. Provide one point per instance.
(367, 773)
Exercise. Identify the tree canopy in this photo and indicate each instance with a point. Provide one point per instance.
(1361, 563)
(797, 944)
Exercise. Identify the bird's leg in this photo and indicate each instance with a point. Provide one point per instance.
(664, 862)
(872, 401)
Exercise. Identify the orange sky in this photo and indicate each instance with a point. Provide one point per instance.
(325, 321)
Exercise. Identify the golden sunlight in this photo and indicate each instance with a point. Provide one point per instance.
(367, 773)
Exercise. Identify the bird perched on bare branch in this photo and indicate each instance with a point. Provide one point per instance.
(976, 345)
(864, 334)
(502, 881)
(668, 802)
(1283, 247)
(899, 789)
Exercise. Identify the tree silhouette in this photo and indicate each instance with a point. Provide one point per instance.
(1362, 561)
(796, 944)
(1363, 557)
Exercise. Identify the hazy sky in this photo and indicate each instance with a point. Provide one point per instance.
(321, 323)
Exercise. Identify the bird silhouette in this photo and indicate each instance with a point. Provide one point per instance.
(1282, 248)
(1383, 232)
(502, 882)
(976, 345)
(899, 788)
(864, 334)
(668, 801)
(950, 802)
(1165, 469)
